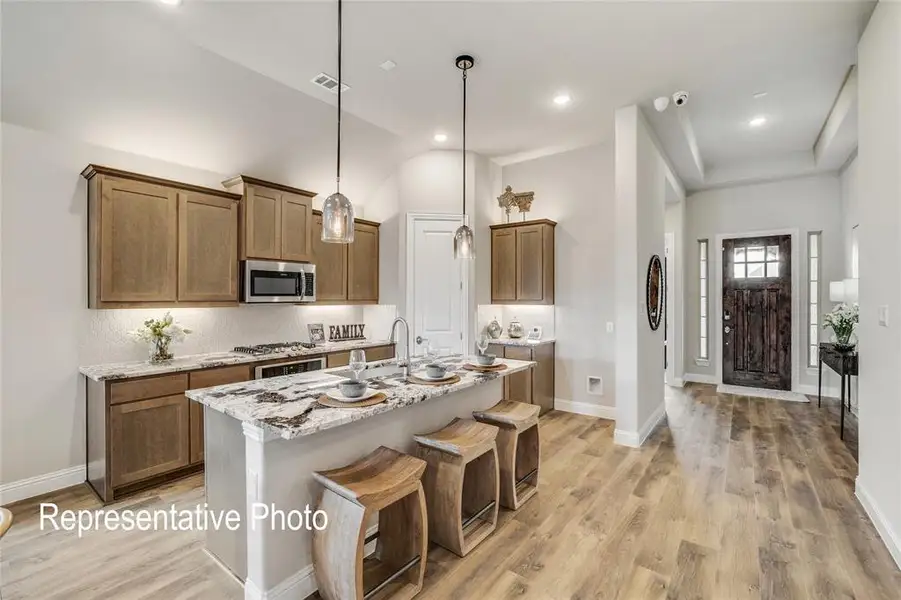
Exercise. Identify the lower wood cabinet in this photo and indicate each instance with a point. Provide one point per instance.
(342, 359)
(535, 386)
(210, 378)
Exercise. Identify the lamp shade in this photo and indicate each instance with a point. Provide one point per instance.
(337, 219)
(464, 246)
(836, 291)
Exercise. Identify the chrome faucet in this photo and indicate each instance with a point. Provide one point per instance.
(405, 361)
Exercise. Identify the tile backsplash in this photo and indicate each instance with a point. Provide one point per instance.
(105, 337)
(528, 315)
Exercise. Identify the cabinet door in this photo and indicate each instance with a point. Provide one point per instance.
(530, 263)
(543, 377)
(519, 385)
(297, 227)
(363, 264)
(337, 359)
(331, 266)
(196, 441)
(262, 223)
(209, 378)
(503, 265)
(207, 248)
(138, 242)
(148, 438)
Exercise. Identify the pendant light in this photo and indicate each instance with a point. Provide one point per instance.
(337, 210)
(464, 246)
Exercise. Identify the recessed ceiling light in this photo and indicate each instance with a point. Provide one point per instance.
(388, 65)
(562, 99)
(757, 121)
(440, 137)
(760, 95)
(171, 2)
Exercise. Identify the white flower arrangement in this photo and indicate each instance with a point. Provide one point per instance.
(159, 333)
(843, 320)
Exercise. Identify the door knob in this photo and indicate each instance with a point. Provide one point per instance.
(420, 340)
(727, 329)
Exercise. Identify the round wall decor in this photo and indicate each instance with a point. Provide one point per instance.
(654, 292)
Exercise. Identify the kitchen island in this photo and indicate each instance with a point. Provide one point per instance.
(264, 438)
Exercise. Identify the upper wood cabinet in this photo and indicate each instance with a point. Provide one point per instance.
(522, 263)
(207, 248)
(157, 242)
(363, 264)
(276, 221)
(347, 273)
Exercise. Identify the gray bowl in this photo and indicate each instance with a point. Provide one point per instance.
(486, 360)
(352, 389)
(434, 370)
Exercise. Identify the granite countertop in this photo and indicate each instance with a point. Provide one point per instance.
(506, 341)
(288, 405)
(212, 360)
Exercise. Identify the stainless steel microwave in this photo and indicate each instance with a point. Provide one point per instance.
(274, 281)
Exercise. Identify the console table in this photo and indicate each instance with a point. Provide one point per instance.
(843, 363)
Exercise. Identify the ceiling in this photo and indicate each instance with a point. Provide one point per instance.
(175, 67)
(605, 54)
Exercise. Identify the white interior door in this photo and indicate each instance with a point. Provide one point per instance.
(436, 282)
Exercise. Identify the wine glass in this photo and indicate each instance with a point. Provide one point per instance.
(482, 342)
(357, 363)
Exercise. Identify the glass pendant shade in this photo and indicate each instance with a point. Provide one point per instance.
(338, 220)
(464, 246)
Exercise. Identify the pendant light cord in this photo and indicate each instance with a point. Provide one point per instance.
(464, 145)
(340, 85)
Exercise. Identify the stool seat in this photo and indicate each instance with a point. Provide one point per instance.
(510, 415)
(376, 478)
(461, 437)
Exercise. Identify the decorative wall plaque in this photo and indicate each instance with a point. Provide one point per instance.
(655, 292)
(343, 333)
(317, 333)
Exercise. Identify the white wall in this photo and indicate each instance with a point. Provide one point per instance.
(576, 190)
(674, 223)
(808, 204)
(48, 331)
(879, 181)
(850, 217)
(642, 177)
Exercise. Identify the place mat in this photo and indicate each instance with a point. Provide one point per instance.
(421, 381)
(377, 399)
(481, 369)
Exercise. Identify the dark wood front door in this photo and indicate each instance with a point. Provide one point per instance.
(757, 312)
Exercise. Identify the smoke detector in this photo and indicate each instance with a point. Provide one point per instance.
(328, 83)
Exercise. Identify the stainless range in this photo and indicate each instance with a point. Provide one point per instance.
(301, 365)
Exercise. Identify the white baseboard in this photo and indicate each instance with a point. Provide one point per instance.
(699, 378)
(300, 585)
(634, 439)
(677, 382)
(585, 408)
(889, 536)
(811, 390)
(42, 484)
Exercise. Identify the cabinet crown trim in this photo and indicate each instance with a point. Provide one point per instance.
(524, 223)
(91, 170)
(318, 213)
(233, 181)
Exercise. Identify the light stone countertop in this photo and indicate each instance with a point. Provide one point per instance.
(506, 341)
(288, 405)
(212, 360)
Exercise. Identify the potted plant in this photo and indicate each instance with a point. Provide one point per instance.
(843, 321)
(160, 333)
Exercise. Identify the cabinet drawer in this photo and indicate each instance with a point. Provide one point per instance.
(518, 352)
(148, 438)
(222, 376)
(151, 387)
(338, 359)
(379, 353)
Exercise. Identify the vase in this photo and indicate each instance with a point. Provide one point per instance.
(844, 343)
(159, 350)
(514, 329)
(494, 329)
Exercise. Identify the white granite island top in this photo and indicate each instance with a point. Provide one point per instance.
(289, 405)
(211, 360)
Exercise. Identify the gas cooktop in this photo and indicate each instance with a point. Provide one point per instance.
(262, 349)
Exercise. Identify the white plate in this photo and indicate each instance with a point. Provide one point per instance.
(336, 394)
(445, 377)
(474, 363)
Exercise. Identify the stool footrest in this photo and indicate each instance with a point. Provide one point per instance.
(412, 563)
(478, 515)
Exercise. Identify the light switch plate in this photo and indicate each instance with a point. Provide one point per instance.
(609, 326)
(883, 315)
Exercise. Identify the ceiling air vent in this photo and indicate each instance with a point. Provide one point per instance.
(329, 83)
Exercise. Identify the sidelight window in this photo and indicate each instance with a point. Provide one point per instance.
(703, 350)
(813, 307)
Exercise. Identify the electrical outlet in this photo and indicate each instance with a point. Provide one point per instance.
(595, 386)
(609, 326)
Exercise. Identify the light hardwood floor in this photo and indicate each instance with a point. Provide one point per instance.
(734, 498)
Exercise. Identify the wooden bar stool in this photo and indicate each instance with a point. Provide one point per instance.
(518, 449)
(386, 481)
(461, 483)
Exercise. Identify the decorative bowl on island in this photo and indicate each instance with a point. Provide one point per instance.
(435, 370)
(485, 360)
(352, 389)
